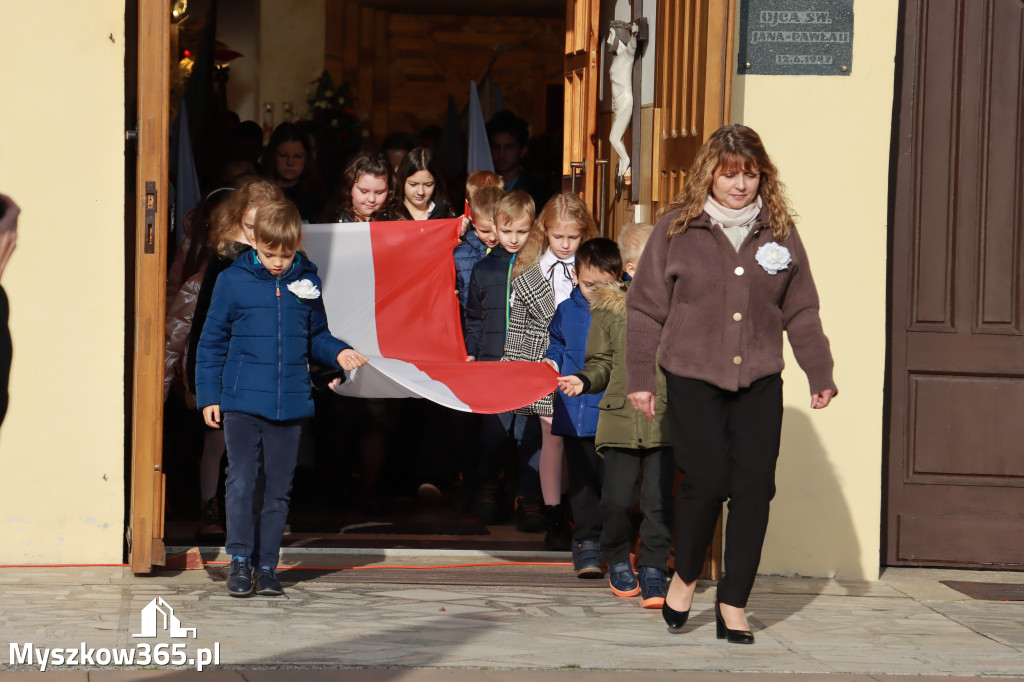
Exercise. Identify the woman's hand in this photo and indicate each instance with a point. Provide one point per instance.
(643, 401)
(570, 385)
(821, 400)
(350, 358)
(550, 363)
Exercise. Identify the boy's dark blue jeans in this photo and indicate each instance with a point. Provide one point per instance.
(254, 442)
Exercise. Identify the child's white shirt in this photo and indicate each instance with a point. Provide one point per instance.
(558, 272)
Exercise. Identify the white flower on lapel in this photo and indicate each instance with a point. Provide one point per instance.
(303, 288)
(773, 257)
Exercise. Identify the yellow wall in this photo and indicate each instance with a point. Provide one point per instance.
(829, 136)
(291, 52)
(62, 160)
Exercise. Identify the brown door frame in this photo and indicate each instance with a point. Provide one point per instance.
(146, 529)
(579, 145)
(693, 85)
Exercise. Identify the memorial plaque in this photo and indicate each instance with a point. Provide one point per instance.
(796, 37)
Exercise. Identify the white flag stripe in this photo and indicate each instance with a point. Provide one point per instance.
(344, 257)
(343, 253)
(479, 155)
(390, 378)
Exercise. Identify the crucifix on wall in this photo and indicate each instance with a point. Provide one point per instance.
(624, 43)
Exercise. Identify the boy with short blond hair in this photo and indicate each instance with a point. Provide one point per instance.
(632, 240)
(480, 179)
(487, 308)
(479, 240)
(266, 322)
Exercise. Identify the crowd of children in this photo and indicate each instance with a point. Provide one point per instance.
(534, 285)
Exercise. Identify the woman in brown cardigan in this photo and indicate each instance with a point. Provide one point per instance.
(723, 274)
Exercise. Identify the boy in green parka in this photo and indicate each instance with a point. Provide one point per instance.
(627, 439)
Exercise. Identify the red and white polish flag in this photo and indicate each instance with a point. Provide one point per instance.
(389, 291)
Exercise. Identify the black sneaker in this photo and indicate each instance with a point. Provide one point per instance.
(586, 559)
(487, 503)
(240, 577)
(559, 537)
(653, 587)
(267, 584)
(529, 518)
(622, 579)
(210, 526)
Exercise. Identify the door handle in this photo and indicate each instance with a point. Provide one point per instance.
(150, 209)
(573, 165)
(602, 176)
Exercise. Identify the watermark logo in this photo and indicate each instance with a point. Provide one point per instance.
(151, 613)
(157, 619)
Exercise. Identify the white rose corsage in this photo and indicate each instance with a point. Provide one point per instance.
(303, 288)
(773, 257)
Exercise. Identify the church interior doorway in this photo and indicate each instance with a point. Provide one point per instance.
(369, 475)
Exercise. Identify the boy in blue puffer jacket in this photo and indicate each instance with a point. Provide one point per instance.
(266, 322)
(479, 240)
(575, 419)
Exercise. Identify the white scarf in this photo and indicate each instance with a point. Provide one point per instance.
(734, 222)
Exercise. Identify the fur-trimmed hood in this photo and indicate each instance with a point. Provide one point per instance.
(610, 297)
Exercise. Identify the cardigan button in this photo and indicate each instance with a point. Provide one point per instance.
(739, 270)
(737, 316)
(737, 360)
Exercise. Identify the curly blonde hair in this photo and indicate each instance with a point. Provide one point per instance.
(733, 147)
(561, 208)
(227, 221)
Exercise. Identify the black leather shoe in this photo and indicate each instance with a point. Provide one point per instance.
(733, 636)
(240, 577)
(267, 584)
(674, 619)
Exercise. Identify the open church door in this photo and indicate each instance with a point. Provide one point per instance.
(696, 57)
(579, 145)
(146, 526)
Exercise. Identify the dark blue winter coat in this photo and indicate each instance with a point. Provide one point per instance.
(255, 345)
(487, 305)
(569, 329)
(467, 254)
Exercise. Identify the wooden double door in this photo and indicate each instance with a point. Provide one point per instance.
(956, 437)
(693, 88)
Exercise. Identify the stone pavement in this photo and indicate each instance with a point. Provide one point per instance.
(907, 623)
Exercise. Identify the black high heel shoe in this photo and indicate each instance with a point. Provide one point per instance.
(674, 619)
(733, 636)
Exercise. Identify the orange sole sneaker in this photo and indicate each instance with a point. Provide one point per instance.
(620, 593)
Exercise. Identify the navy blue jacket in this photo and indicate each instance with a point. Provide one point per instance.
(255, 345)
(467, 254)
(487, 305)
(569, 329)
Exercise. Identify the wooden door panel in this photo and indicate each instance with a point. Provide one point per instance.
(942, 437)
(147, 478)
(947, 539)
(579, 149)
(956, 478)
(693, 85)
